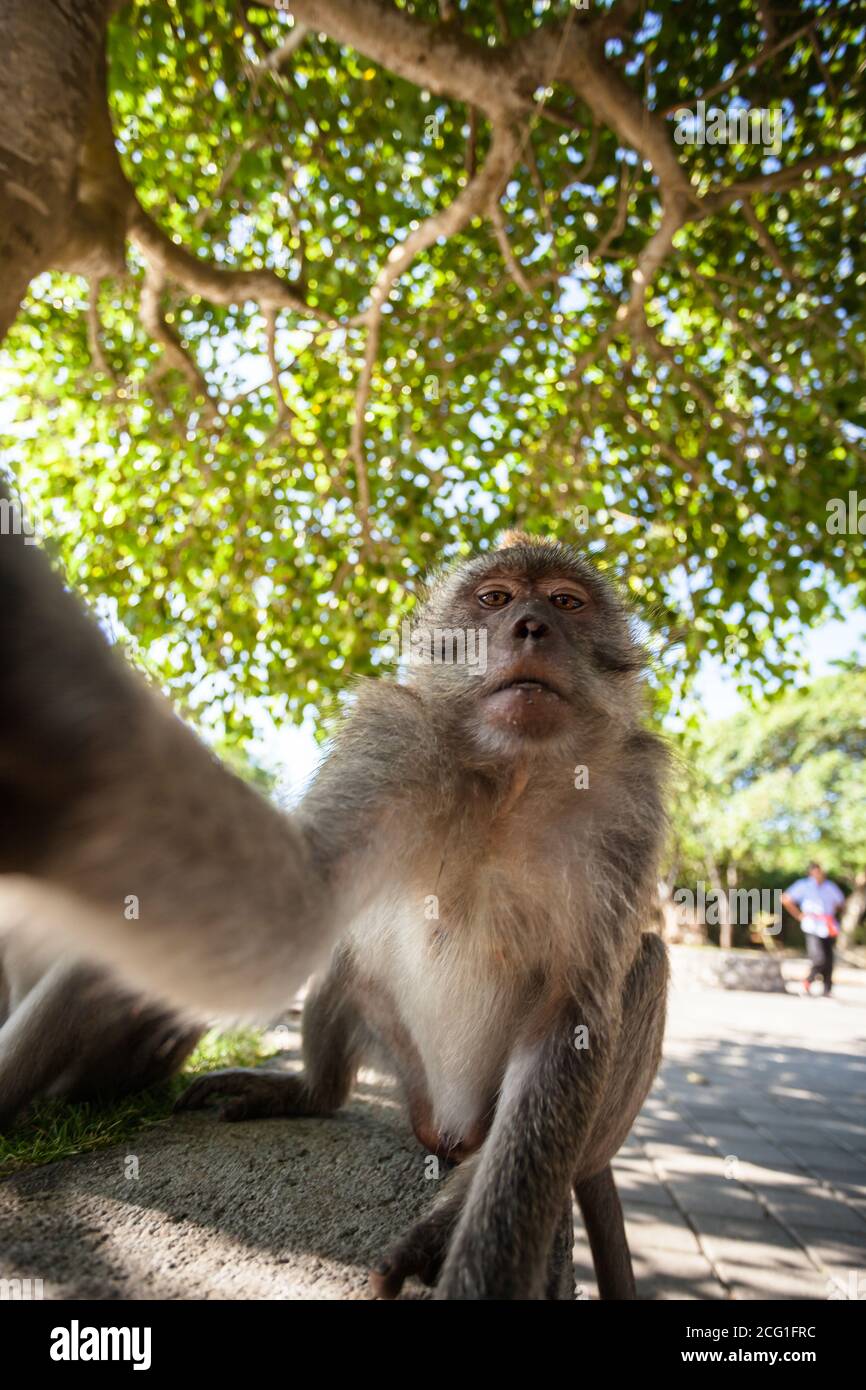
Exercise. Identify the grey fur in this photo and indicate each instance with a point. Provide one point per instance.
(105, 793)
(69, 1030)
(544, 892)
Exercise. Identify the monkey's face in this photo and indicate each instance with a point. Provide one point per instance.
(530, 625)
(554, 654)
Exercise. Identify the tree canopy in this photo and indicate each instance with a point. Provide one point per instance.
(784, 784)
(346, 285)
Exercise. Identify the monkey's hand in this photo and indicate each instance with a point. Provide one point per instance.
(422, 1249)
(253, 1093)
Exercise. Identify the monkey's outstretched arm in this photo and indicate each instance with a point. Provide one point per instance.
(120, 832)
(550, 1096)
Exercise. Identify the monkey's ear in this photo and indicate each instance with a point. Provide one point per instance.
(507, 539)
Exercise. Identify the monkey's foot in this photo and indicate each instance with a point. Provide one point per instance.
(254, 1094)
(421, 1251)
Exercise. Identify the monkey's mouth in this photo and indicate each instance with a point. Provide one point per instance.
(526, 704)
(531, 685)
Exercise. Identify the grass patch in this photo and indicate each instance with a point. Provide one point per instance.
(54, 1129)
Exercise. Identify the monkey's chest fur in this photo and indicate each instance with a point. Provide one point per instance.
(449, 964)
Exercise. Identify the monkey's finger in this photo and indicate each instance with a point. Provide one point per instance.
(243, 1109)
(386, 1281)
(421, 1253)
(199, 1093)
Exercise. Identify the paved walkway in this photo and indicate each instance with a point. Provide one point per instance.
(745, 1178)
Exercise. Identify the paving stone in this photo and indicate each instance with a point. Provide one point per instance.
(818, 1155)
(839, 1173)
(659, 1113)
(652, 1226)
(809, 1211)
(642, 1188)
(667, 1133)
(820, 1127)
(840, 1253)
(846, 1132)
(761, 1155)
(671, 1158)
(746, 1281)
(731, 1135)
(787, 1175)
(721, 1198)
(675, 1274)
(764, 1244)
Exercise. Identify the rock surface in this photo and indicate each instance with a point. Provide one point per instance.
(707, 967)
(196, 1208)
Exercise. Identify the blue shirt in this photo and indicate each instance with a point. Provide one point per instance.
(815, 900)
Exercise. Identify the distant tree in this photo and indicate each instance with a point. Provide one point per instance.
(777, 787)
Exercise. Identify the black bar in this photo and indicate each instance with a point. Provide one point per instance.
(267, 1339)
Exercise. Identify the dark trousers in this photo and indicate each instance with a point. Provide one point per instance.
(820, 949)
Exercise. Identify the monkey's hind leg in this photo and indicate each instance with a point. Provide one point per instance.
(332, 1038)
(39, 1037)
(142, 1046)
(559, 1284)
(636, 1062)
(601, 1210)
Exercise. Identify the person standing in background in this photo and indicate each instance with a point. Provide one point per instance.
(814, 901)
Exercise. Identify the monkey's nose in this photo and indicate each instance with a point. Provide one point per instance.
(528, 627)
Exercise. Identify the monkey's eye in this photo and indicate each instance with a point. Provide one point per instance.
(568, 601)
(494, 598)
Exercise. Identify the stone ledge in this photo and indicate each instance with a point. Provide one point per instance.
(710, 967)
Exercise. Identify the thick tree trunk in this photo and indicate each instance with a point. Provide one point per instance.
(726, 930)
(51, 49)
(854, 909)
(726, 935)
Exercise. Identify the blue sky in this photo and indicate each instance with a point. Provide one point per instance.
(715, 691)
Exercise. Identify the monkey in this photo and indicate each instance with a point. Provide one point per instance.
(464, 785)
(71, 1031)
(523, 798)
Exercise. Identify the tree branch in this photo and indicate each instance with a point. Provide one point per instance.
(781, 179)
(513, 265)
(766, 242)
(284, 410)
(219, 284)
(274, 60)
(613, 102)
(439, 58)
(174, 353)
(94, 327)
(470, 202)
(632, 309)
(753, 64)
(620, 217)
